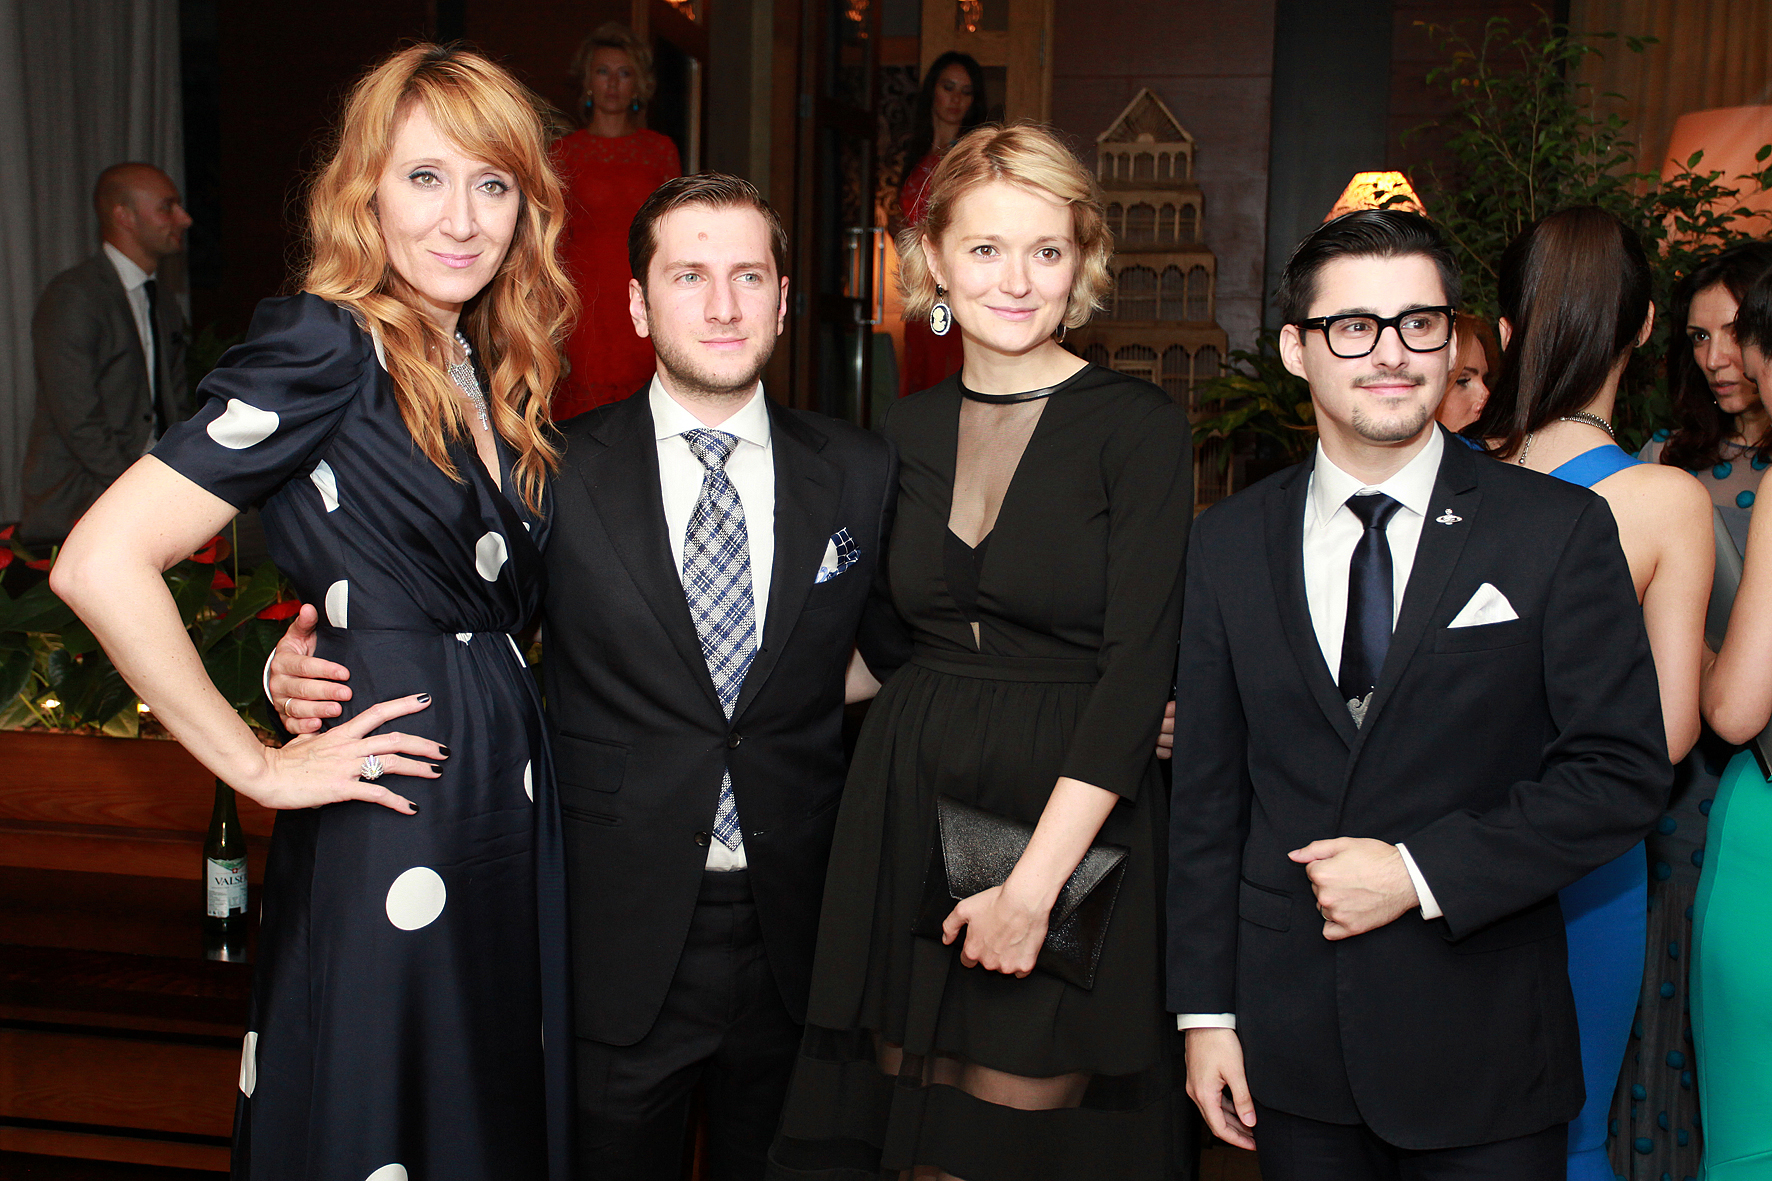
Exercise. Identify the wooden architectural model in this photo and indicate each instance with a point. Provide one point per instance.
(1160, 323)
(1160, 320)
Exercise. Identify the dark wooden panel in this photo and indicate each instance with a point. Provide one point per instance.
(106, 1158)
(113, 782)
(118, 1082)
(142, 852)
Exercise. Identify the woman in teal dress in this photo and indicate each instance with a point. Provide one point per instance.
(1732, 957)
(1574, 296)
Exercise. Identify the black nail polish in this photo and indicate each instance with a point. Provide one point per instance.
(444, 749)
(424, 699)
(414, 811)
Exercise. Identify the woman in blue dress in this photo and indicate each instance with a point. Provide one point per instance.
(1574, 296)
(392, 421)
(1732, 958)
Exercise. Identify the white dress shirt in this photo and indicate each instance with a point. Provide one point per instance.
(133, 277)
(1331, 531)
(751, 468)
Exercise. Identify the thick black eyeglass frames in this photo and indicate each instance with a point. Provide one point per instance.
(1355, 334)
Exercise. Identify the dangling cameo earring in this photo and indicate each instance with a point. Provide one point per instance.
(941, 316)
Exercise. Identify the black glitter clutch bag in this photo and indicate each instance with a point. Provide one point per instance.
(977, 849)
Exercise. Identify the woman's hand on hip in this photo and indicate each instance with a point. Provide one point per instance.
(327, 768)
(1003, 931)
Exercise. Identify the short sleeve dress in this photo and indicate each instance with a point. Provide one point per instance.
(408, 965)
(1045, 649)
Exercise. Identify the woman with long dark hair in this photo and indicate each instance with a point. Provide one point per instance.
(1732, 959)
(1723, 436)
(392, 420)
(950, 103)
(1574, 296)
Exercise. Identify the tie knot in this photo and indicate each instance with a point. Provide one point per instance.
(713, 448)
(1374, 509)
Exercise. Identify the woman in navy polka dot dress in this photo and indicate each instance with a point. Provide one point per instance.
(1723, 440)
(392, 423)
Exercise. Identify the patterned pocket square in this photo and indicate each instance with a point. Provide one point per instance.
(840, 553)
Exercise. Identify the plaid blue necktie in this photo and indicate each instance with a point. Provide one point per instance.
(717, 583)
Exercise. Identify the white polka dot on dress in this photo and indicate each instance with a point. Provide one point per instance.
(464, 637)
(338, 602)
(416, 898)
(388, 1173)
(327, 483)
(249, 1065)
(241, 426)
(489, 556)
(529, 780)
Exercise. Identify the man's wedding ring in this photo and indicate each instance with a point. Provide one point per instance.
(287, 702)
(372, 768)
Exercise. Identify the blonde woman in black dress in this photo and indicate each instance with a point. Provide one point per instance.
(1036, 561)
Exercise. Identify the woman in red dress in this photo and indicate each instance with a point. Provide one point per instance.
(951, 103)
(608, 167)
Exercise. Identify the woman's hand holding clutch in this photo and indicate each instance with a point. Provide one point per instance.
(1003, 930)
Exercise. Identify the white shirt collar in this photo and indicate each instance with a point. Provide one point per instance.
(132, 275)
(750, 423)
(1412, 486)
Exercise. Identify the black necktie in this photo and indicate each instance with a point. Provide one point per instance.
(1367, 636)
(148, 289)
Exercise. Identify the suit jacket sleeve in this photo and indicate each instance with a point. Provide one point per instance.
(66, 337)
(885, 638)
(1606, 775)
(1208, 814)
(1148, 463)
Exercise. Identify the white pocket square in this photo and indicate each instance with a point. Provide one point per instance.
(840, 553)
(1488, 605)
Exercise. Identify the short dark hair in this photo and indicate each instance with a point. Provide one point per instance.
(714, 189)
(1575, 287)
(1753, 318)
(1365, 233)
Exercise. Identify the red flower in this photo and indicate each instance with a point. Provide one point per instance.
(5, 557)
(221, 581)
(206, 555)
(40, 564)
(280, 611)
(6, 533)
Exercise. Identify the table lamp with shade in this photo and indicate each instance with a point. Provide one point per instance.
(1729, 137)
(1377, 190)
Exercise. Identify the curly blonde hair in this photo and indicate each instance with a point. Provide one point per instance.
(1025, 154)
(517, 322)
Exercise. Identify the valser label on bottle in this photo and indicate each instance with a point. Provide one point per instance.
(227, 886)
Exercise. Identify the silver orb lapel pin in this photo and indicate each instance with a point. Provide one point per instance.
(1448, 518)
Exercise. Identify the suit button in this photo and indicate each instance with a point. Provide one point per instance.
(702, 839)
(733, 739)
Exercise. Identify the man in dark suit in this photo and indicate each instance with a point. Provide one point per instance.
(110, 354)
(710, 563)
(1412, 679)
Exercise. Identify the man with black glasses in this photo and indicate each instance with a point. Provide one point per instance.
(1412, 679)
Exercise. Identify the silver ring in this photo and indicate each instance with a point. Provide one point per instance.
(372, 768)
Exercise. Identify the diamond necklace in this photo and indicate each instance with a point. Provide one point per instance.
(462, 372)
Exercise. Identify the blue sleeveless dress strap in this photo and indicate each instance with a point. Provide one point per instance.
(1606, 915)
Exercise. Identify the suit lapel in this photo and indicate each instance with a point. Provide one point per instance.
(124, 312)
(622, 480)
(1285, 547)
(1436, 556)
(807, 490)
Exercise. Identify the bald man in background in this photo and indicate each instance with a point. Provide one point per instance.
(110, 354)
